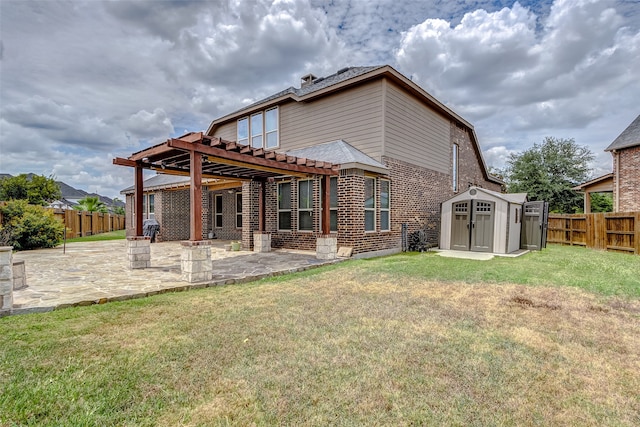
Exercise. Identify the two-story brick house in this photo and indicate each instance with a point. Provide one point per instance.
(625, 150)
(395, 151)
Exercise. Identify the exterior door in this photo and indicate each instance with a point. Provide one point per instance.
(461, 216)
(482, 226)
(534, 225)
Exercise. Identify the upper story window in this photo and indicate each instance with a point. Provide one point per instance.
(454, 167)
(261, 130)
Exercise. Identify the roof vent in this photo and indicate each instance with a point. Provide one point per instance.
(343, 70)
(307, 80)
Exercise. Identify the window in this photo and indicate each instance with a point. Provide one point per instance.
(454, 170)
(148, 206)
(384, 205)
(284, 206)
(238, 210)
(256, 130)
(217, 205)
(243, 131)
(271, 128)
(369, 204)
(333, 203)
(260, 130)
(305, 205)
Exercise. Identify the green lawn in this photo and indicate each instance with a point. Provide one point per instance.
(403, 340)
(111, 235)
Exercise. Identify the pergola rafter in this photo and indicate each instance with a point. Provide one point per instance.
(203, 157)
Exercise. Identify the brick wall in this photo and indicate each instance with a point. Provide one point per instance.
(172, 212)
(627, 165)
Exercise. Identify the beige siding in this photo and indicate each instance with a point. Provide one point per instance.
(415, 133)
(227, 131)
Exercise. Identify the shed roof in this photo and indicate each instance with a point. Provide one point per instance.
(518, 198)
(630, 137)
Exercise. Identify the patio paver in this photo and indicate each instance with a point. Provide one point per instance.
(97, 272)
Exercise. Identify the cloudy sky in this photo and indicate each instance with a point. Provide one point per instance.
(82, 82)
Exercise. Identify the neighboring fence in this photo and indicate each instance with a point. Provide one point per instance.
(618, 231)
(80, 224)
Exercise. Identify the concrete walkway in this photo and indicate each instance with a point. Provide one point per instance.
(97, 272)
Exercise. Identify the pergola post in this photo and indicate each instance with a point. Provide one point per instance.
(195, 193)
(138, 195)
(326, 204)
(326, 245)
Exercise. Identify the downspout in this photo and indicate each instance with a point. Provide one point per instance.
(616, 177)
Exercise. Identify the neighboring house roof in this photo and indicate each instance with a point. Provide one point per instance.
(604, 181)
(160, 181)
(68, 192)
(340, 153)
(630, 137)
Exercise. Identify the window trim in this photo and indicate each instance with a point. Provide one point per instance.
(388, 208)
(372, 209)
(284, 210)
(276, 130)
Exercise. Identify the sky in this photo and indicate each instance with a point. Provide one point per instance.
(82, 82)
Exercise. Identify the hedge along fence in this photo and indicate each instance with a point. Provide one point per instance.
(80, 224)
(619, 231)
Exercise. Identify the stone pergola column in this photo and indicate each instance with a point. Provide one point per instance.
(6, 279)
(195, 261)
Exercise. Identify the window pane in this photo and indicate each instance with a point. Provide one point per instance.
(384, 220)
(239, 221)
(272, 139)
(369, 193)
(305, 220)
(256, 124)
(284, 195)
(333, 192)
(243, 129)
(151, 203)
(305, 194)
(271, 120)
(218, 203)
(369, 221)
(384, 194)
(219, 221)
(334, 220)
(256, 141)
(238, 202)
(284, 220)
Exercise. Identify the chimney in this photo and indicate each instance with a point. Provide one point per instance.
(307, 80)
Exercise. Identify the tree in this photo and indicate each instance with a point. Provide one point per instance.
(548, 171)
(91, 204)
(601, 202)
(37, 189)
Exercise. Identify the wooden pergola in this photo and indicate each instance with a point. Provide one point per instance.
(226, 163)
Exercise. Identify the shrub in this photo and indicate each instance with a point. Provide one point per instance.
(27, 226)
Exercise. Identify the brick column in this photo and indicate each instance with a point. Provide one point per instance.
(326, 247)
(195, 261)
(6, 279)
(250, 195)
(261, 242)
(139, 251)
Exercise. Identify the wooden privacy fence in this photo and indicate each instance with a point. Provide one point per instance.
(618, 231)
(80, 224)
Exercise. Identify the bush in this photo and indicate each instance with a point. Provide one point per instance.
(27, 226)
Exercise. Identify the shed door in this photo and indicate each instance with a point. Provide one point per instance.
(482, 226)
(534, 225)
(461, 216)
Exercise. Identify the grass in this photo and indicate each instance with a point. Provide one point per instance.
(389, 341)
(111, 235)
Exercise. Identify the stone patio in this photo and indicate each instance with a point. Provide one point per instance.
(97, 272)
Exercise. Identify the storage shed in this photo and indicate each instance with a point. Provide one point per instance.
(482, 220)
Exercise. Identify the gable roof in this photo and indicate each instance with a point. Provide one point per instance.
(341, 153)
(160, 181)
(630, 137)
